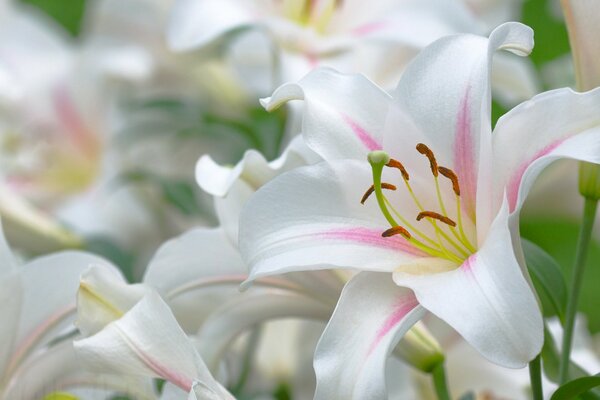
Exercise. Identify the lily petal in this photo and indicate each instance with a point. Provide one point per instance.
(249, 310)
(371, 317)
(196, 272)
(311, 218)
(147, 341)
(487, 300)
(453, 110)
(583, 29)
(556, 124)
(344, 114)
(195, 23)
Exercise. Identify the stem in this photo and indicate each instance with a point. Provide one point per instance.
(439, 382)
(247, 361)
(585, 233)
(535, 376)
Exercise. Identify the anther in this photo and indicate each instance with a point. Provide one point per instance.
(426, 151)
(397, 230)
(398, 165)
(434, 215)
(370, 191)
(448, 173)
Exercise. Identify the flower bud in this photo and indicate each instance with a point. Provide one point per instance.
(589, 180)
(419, 349)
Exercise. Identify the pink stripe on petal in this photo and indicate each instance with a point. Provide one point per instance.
(464, 156)
(469, 263)
(365, 137)
(372, 237)
(404, 306)
(369, 28)
(512, 189)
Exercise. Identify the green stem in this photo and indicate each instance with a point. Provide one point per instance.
(247, 361)
(585, 233)
(439, 382)
(535, 376)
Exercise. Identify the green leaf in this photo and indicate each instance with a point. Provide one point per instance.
(547, 278)
(576, 388)
(181, 195)
(558, 237)
(69, 15)
(107, 248)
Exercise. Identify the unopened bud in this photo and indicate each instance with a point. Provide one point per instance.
(589, 180)
(419, 349)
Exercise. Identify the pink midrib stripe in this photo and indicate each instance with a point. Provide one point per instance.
(464, 152)
(365, 137)
(369, 28)
(372, 237)
(404, 306)
(512, 190)
(181, 381)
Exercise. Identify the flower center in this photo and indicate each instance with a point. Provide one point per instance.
(313, 13)
(448, 239)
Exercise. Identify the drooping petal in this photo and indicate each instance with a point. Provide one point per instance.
(147, 341)
(372, 315)
(60, 369)
(104, 296)
(253, 169)
(247, 311)
(446, 93)
(553, 125)
(487, 300)
(583, 28)
(312, 218)
(514, 79)
(343, 116)
(194, 24)
(49, 291)
(196, 272)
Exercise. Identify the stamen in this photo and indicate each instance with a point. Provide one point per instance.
(396, 230)
(439, 217)
(370, 191)
(448, 173)
(398, 165)
(426, 151)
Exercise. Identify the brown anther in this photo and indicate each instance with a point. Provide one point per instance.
(370, 191)
(434, 215)
(426, 151)
(448, 173)
(396, 230)
(398, 165)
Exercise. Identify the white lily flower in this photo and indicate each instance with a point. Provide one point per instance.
(38, 308)
(146, 341)
(461, 259)
(377, 39)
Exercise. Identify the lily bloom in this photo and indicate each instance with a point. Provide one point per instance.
(37, 304)
(377, 38)
(418, 194)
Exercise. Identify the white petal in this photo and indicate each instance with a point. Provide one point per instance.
(253, 169)
(247, 311)
(371, 317)
(147, 341)
(343, 116)
(446, 92)
(312, 218)
(553, 125)
(49, 291)
(487, 300)
(514, 79)
(582, 22)
(104, 296)
(60, 369)
(196, 272)
(195, 23)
